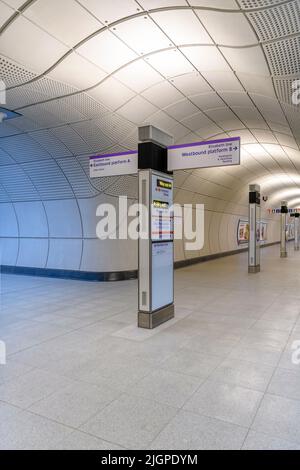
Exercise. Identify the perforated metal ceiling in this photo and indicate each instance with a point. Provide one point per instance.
(204, 69)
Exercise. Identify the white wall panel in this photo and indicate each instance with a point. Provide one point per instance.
(32, 219)
(33, 252)
(64, 219)
(64, 254)
(8, 221)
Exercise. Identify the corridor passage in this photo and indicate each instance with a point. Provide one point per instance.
(80, 374)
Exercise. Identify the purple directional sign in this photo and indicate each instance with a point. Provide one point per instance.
(213, 153)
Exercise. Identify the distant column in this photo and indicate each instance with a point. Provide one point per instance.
(284, 211)
(254, 229)
(297, 216)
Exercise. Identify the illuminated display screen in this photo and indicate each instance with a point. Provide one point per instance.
(164, 184)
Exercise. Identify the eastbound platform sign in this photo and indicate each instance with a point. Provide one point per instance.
(114, 164)
(213, 153)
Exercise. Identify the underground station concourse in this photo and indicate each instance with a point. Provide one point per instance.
(149, 225)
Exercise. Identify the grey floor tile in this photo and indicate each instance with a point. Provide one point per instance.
(243, 373)
(167, 387)
(192, 363)
(31, 387)
(259, 441)
(82, 441)
(26, 431)
(191, 431)
(131, 422)
(226, 402)
(285, 383)
(279, 417)
(76, 404)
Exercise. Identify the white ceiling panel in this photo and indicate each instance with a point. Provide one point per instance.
(196, 121)
(163, 121)
(137, 110)
(51, 15)
(236, 98)
(287, 140)
(207, 132)
(108, 11)
(206, 58)
(245, 135)
(257, 84)
(228, 29)
(163, 94)
(264, 136)
(223, 81)
(270, 108)
(142, 35)
(207, 100)
(170, 63)
(138, 76)
(77, 71)
(14, 3)
(181, 109)
(191, 84)
(179, 132)
(182, 27)
(247, 60)
(30, 46)
(96, 50)
(152, 4)
(5, 13)
(111, 93)
(226, 4)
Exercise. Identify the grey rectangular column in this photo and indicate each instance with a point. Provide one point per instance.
(297, 216)
(254, 226)
(156, 244)
(284, 211)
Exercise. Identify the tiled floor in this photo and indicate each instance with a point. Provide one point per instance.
(80, 375)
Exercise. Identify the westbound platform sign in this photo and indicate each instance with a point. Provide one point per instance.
(114, 164)
(213, 153)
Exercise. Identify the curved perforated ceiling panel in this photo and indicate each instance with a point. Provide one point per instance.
(85, 73)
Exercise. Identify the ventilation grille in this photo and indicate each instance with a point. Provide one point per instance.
(50, 143)
(284, 56)
(91, 134)
(284, 89)
(12, 74)
(252, 4)
(17, 184)
(5, 159)
(71, 140)
(125, 186)
(23, 149)
(38, 91)
(77, 177)
(49, 180)
(276, 22)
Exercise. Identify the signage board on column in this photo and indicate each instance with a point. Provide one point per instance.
(156, 251)
(213, 153)
(114, 164)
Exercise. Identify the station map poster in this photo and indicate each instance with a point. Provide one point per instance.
(244, 230)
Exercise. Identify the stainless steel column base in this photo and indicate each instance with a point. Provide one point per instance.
(283, 255)
(254, 269)
(152, 320)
